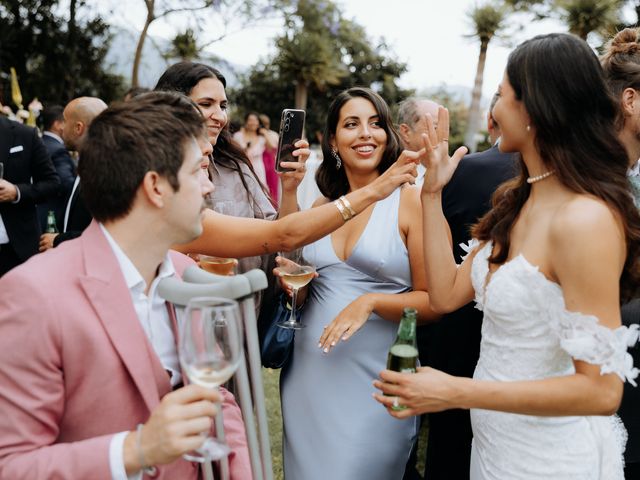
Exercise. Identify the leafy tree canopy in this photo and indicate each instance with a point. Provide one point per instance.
(58, 55)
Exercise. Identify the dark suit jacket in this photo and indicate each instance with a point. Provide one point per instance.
(630, 408)
(79, 218)
(453, 344)
(63, 163)
(33, 173)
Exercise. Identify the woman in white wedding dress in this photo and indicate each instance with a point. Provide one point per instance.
(549, 267)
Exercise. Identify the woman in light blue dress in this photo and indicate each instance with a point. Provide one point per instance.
(369, 269)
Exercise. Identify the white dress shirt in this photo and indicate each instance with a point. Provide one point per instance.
(152, 312)
(76, 182)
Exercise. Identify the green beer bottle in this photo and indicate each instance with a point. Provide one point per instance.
(403, 354)
(51, 223)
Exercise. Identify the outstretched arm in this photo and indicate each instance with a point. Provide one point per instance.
(228, 236)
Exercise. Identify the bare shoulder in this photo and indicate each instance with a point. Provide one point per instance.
(585, 214)
(586, 224)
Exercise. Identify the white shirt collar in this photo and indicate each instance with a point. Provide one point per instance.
(131, 274)
(635, 170)
(53, 135)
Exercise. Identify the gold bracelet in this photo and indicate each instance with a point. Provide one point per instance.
(347, 204)
(342, 209)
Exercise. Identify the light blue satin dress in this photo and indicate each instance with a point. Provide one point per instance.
(333, 428)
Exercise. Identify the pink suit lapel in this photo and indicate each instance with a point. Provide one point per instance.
(105, 287)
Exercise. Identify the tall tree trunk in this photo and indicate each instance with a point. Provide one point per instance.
(302, 90)
(473, 124)
(143, 37)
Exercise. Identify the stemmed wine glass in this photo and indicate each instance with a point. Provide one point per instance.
(296, 272)
(210, 352)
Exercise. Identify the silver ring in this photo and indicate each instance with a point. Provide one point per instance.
(396, 403)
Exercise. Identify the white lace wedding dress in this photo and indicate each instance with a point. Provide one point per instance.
(527, 334)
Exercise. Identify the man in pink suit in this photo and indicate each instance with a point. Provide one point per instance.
(90, 384)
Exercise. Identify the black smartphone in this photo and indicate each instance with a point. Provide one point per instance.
(291, 130)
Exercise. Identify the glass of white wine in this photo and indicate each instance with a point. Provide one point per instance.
(210, 352)
(296, 272)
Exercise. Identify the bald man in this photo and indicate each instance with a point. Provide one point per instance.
(78, 115)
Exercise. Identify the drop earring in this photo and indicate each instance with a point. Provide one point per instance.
(338, 159)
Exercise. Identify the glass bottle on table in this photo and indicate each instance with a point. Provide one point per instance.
(403, 354)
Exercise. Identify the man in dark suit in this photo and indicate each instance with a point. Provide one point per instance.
(78, 115)
(29, 178)
(53, 124)
(453, 343)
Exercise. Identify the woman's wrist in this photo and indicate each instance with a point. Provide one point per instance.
(434, 196)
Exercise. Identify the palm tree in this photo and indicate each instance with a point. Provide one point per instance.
(309, 58)
(487, 20)
(586, 16)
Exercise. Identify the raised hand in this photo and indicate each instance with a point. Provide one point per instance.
(292, 179)
(404, 170)
(435, 154)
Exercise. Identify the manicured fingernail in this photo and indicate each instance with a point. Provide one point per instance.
(319, 345)
(333, 344)
(326, 350)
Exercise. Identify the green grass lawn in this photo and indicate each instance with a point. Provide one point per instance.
(272, 393)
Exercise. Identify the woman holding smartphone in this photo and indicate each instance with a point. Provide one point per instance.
(238, 190)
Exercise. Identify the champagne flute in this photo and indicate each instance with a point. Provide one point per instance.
(210, 352)
(296, 272)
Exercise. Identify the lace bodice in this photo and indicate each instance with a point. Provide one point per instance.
(528, 334)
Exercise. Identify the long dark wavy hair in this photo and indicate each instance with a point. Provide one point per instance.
(332, 181)
(183, 77)
(560, 82)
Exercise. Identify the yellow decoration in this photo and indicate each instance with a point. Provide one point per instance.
(16, 96)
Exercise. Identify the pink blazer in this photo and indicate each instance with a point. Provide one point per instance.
(77, 367)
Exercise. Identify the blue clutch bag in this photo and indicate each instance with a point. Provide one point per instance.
(277, 342)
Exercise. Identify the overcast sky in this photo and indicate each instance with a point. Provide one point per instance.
(429, 35)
